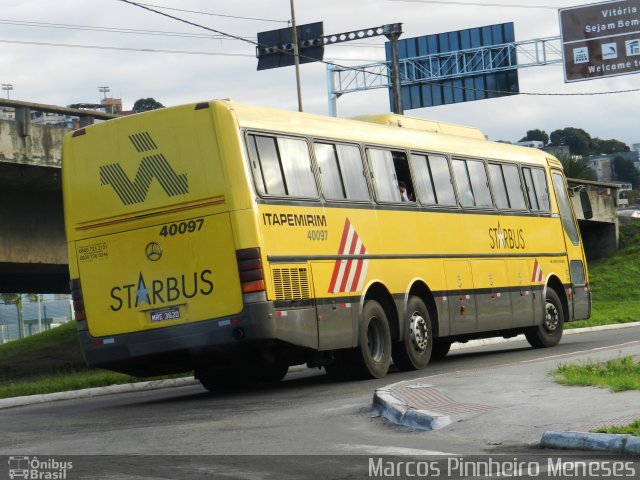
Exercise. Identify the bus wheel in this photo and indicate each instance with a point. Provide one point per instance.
(373, 356)
(550, 332)
(414, 352)
(440, 349)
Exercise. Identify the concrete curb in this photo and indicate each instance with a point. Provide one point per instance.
(97, 391)
(573, 331)
(401, 413)
(608, 442)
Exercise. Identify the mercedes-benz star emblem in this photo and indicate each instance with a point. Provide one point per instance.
(153, 251)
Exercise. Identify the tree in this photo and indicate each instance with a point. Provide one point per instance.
(576, 167)
(626, 171)
(578, 141)
(607, 146)
(146, 104)
(536, 135)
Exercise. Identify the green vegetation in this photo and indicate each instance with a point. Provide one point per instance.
(618, 375)
(51, 362)
(632, 429)
(614, 285)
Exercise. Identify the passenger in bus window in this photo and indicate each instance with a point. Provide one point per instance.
(403, 191)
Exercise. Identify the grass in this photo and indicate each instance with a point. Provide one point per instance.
(614, 284)
(52, 362)
(632, 429)
(618, 375)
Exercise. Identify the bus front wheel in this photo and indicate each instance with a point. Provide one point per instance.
(549, 332)
(414, 352)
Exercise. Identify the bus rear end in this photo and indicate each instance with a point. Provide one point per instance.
(158, 278)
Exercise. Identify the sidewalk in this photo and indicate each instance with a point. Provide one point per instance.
(516, 404)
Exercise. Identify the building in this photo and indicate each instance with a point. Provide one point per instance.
(532, 144)
(113, 105)
(558, 149)
(602, 165)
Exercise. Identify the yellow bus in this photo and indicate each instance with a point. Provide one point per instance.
(237, 241)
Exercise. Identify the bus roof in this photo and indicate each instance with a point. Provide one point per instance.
(384, 129)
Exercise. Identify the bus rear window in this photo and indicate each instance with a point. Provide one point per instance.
(282, 166)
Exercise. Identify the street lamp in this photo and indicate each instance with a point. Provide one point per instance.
(105, 90)
(7, 87)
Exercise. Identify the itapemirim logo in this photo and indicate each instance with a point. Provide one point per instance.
(152, 165)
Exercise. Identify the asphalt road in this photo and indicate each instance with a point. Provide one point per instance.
(305, 415)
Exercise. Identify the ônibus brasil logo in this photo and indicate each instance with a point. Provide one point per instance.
(153, 165)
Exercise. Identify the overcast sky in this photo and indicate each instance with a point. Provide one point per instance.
(38, 59)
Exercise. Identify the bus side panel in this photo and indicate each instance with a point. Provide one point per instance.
(462, 302)
(493, 302)
(522, 298)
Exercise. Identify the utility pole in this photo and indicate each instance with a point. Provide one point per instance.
(393, 32)
(296, 57)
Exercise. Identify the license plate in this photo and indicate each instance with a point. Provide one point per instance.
(171, 313)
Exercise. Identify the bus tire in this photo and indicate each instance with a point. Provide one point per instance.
(440, 349)
(373, 356)
(414, 351)
(550, 331)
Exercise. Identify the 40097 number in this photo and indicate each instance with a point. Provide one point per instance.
(318, 235)
(180, 228)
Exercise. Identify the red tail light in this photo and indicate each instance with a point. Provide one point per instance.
(250, 268)
(78, 300)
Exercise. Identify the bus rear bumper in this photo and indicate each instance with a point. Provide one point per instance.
(180, 348)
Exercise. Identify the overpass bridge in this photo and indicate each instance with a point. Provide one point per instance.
(33, 254)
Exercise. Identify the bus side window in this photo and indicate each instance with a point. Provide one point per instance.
(498, 186)
(505, 183)
(473, 186)
(284, 166)
(425, 192)
(353, 172)
(272, 175)
(537, 191)
(514, 187)
(388, 169)
(341, 172)
(441, 176)
(464, 185)
(330, 174)
(432, 180)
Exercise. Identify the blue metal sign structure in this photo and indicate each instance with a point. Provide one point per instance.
(452, 67)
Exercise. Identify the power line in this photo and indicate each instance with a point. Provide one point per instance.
(126, 49)
(359, 69)
(215, 14)
(65, 26)
(479, 4)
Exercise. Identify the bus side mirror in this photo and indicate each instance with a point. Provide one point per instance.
(587, 211)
